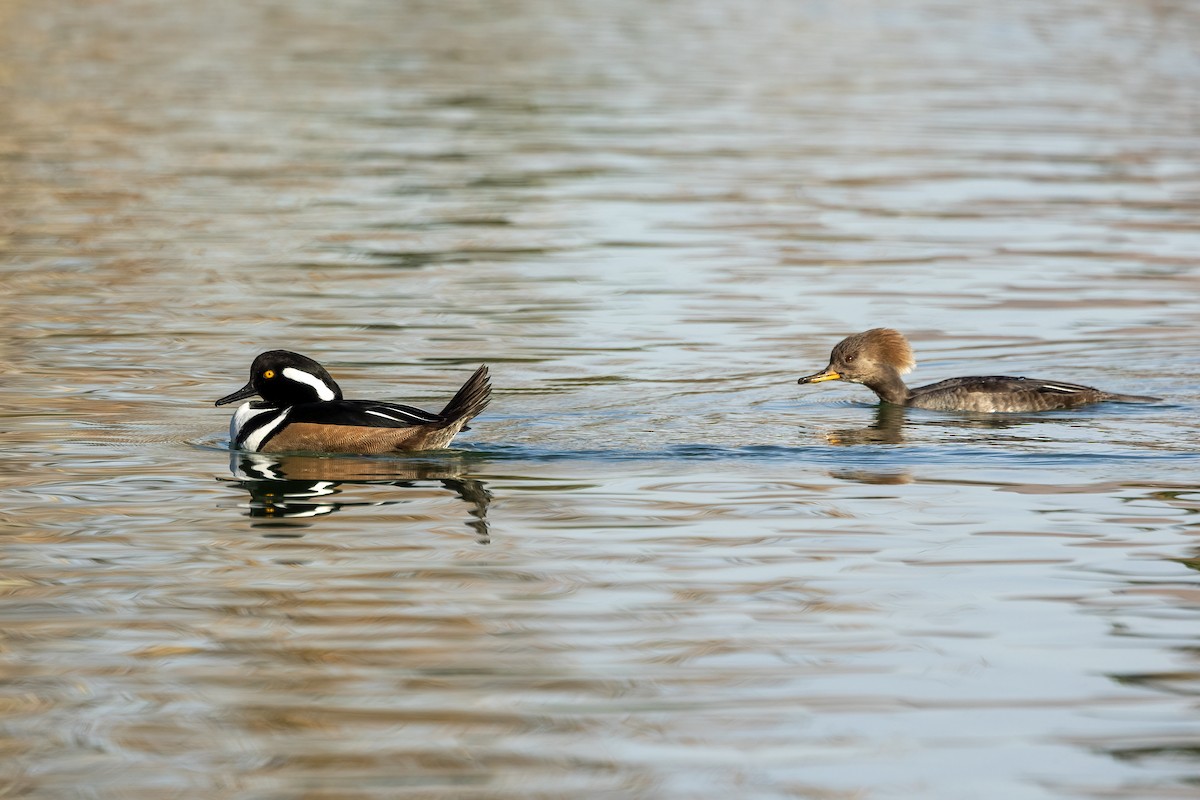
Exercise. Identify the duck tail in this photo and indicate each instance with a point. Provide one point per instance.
(468, 401)
(1131, 398)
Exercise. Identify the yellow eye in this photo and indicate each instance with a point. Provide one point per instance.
(269, 374)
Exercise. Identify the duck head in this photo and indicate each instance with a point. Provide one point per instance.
(874, 357)
(284, 378)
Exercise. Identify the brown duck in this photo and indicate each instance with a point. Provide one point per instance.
(878, 357)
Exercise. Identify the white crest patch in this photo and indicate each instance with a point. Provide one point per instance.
(307, 378)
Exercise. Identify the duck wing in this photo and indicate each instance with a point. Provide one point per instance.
(362, 413)
(993, 393)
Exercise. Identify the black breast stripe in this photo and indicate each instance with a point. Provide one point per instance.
(259, 421)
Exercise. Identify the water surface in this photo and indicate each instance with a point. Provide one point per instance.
(655, 567)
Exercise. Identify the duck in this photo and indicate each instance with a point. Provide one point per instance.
(878, 357)
(302, 410)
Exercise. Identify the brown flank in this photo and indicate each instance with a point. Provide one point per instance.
(308, 437)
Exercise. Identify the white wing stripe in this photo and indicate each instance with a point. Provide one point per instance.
(402, 417)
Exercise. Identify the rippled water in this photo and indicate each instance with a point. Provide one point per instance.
(655, 567)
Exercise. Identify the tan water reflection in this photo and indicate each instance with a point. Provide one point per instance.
(655, 569)
(297, 487)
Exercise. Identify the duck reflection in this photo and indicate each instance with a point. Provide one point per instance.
(888, 428)
(873, 477)
(296, 487)
(891, 421)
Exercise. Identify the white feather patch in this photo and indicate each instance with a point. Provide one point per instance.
(300, 376)
(240, 417)
(255, 440)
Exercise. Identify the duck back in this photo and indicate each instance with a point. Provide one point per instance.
(999, 393)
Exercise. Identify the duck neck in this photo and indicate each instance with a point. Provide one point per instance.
(890, 387)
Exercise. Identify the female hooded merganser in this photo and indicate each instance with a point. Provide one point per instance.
(302, 411)
(878, 357)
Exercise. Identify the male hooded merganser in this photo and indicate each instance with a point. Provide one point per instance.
(302, 411)
(878, 357)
